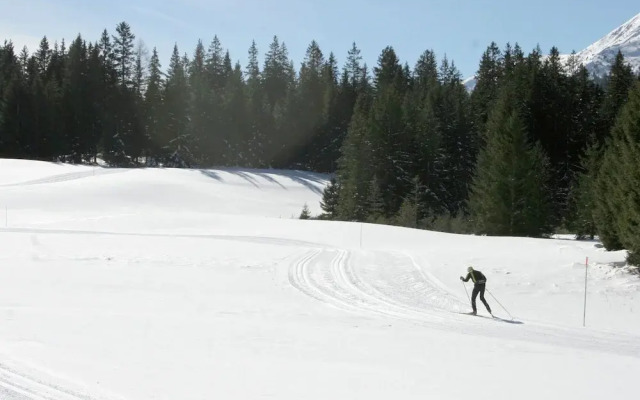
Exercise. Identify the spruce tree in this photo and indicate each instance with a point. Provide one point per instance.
(618, 182)
(211, 112)
(235, 110)
(330, 198)
(487, 87)
(509, 191)
(43, 56)
(200, 104)
(76, 101)
(305, 213)
(153, 106)
(458, 143)
(617, 86)
(256, 111)
(581, 220)
(176, 138)
(607, 200)
(123, 54)
(354, 172)
(309, 108)
(96, 89)
(390, 141)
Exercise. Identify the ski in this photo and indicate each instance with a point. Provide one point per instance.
(493, 317)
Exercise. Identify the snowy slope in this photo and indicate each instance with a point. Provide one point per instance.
(177, 284)
(599, 56)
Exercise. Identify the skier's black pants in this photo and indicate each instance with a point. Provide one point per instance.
(479, 288)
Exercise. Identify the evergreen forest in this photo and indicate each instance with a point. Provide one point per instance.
(538, 147)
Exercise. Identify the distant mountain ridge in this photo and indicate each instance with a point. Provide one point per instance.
(599, 56)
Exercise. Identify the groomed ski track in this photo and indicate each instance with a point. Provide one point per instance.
(385, 285)
(393, 286)
(21, 385)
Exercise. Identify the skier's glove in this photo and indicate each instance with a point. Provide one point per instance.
(461, 278)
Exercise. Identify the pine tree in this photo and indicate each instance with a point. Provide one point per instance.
(176, 135)
(235, 110)
(354, 172)
(305, 214)
(330, 198)
(256, 111)
(375, 207)
(608, 204)
(308, 110)
(409, 214)
(509, 193)
(276, 73)
(200, 104)
(353, 70)
(76, 100)
(43, 56)
(278, 79)
(618, 84)
(96, 88)
(458, 143)
(211, 114)
(582, 198)
(14, 97)
(325, 148)
(618, 183)
(124, 55)
(139, 141)
(390, 140)
(153, 105)
(215, 65)
(550, 124)
(421, 109)
(487, 88)
(426, 74)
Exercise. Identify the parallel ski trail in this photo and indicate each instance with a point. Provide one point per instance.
(29, 387)
(330, 277)
(393, 285)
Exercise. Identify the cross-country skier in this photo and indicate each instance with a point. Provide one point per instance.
(479, 283)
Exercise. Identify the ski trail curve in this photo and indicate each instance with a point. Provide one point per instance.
(15, 385)
(394, 285)
(330, 276)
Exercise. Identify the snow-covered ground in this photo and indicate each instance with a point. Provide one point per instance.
(185, 284)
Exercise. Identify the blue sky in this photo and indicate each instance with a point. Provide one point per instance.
(461, 29)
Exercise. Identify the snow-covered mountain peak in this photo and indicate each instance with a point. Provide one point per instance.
(626, 38)
(599, 56)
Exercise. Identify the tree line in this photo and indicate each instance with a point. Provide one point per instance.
(101, 99)
(539, 145)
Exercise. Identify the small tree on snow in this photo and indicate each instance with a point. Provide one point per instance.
(305, 214)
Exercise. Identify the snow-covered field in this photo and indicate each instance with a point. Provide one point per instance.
(186, 284)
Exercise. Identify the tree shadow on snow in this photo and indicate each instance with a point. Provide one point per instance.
(313, 181)
(211, 174)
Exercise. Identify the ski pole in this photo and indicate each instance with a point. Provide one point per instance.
(494, 297)
(465, 290)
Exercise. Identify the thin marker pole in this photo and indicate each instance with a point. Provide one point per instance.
(584, 316)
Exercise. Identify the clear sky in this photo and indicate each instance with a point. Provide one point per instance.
(461, 29)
